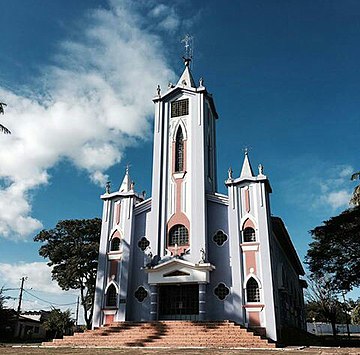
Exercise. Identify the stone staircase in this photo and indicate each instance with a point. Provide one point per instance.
(223, 334)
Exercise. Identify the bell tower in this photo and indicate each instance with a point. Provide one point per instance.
(184, 167)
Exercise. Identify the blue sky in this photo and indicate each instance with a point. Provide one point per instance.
(79, 76)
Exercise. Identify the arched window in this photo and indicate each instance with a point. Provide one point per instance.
(178, 235)
(111, 296)
(179, 151)
(252, 291)
(115, 244)
(249, 234)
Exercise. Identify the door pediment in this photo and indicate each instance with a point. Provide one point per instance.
(179, 271)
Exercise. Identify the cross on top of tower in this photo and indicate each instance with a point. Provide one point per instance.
(188, 48)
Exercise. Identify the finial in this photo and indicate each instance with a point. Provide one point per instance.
(132, 185)
(201, 82)
(2, 104)
(107, 187)
(230, 172)
(158, 89)
(261, 169)
(171, 85)
(246, 150)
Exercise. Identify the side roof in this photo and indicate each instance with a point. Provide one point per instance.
(286, 244)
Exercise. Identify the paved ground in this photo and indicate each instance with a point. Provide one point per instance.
(138, 351)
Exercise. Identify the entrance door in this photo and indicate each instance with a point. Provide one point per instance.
(179, 302)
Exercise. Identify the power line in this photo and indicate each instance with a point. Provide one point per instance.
(51, 303)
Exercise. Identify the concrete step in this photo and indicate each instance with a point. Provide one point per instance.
(166, 334)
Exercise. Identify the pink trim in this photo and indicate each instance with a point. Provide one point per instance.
(118, 210)
(254, 319)
(250, 259)
(116, 234)
(178, 218)
(247, 200)
(178, 183)
(248, 224)
(109, 318)
(113, 268)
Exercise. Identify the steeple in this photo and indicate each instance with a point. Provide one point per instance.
(246, 170)
(186, 78)
(126, 185)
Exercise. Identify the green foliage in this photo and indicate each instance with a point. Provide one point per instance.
(335, 250)
(59, 323)
(73, 249)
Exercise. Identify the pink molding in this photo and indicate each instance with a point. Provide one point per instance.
(177, 218)
(254, 319)
(118, 210)
(248, 224)
(250, 257)
(247, 200)
(113, 268)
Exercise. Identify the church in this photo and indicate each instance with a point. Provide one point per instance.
(189, 252)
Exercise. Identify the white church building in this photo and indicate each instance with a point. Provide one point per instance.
(189, 252)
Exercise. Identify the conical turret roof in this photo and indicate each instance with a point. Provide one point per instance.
(126, 183)
(246, 170)
(186, 78)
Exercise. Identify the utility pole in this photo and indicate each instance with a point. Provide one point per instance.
(18, 327)
(77, 311)
(23, 279)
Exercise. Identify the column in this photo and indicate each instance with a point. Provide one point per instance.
(202, 301)
(153, 302)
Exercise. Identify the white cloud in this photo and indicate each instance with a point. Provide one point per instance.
(38, 276)
(335, 190)
(337, 199)
(166, 16)
(97, 103)
(320, 188)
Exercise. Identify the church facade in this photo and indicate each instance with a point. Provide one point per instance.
(189, 252)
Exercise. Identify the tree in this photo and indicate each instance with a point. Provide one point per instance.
(335, 250)
(323, 303)
(73, 249)
(59, 323)
(7, 317)
(355, 200)
(3, 129)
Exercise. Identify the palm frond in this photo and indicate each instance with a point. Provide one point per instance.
(3, 129)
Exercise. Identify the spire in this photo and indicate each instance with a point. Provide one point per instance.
(246, 170)
(126, 183)
(186, 78)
